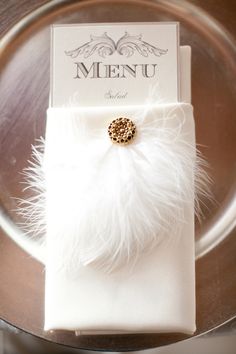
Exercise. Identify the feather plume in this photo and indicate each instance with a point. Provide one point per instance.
(104, 205)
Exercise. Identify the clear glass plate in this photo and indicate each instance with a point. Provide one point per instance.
(24, 92)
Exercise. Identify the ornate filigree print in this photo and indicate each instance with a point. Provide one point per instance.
(127, 45)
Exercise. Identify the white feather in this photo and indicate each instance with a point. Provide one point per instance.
(105, 204)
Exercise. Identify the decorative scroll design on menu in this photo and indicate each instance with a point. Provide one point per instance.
(105, 46)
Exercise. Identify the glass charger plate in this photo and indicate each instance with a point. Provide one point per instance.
(24, 92)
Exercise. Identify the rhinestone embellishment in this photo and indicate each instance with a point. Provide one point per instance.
(122, 131)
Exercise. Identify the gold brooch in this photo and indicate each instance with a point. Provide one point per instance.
(122, 131)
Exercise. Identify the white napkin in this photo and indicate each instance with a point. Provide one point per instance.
(157, 294)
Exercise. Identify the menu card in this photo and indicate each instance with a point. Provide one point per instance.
(114, 64)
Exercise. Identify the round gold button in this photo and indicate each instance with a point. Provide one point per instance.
(122, 131)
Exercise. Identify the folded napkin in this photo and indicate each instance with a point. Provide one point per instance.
(154, 293)
(151, 290)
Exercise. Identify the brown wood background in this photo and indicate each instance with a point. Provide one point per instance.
(22, 278)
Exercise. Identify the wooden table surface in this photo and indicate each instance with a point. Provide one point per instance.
(22, 278)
